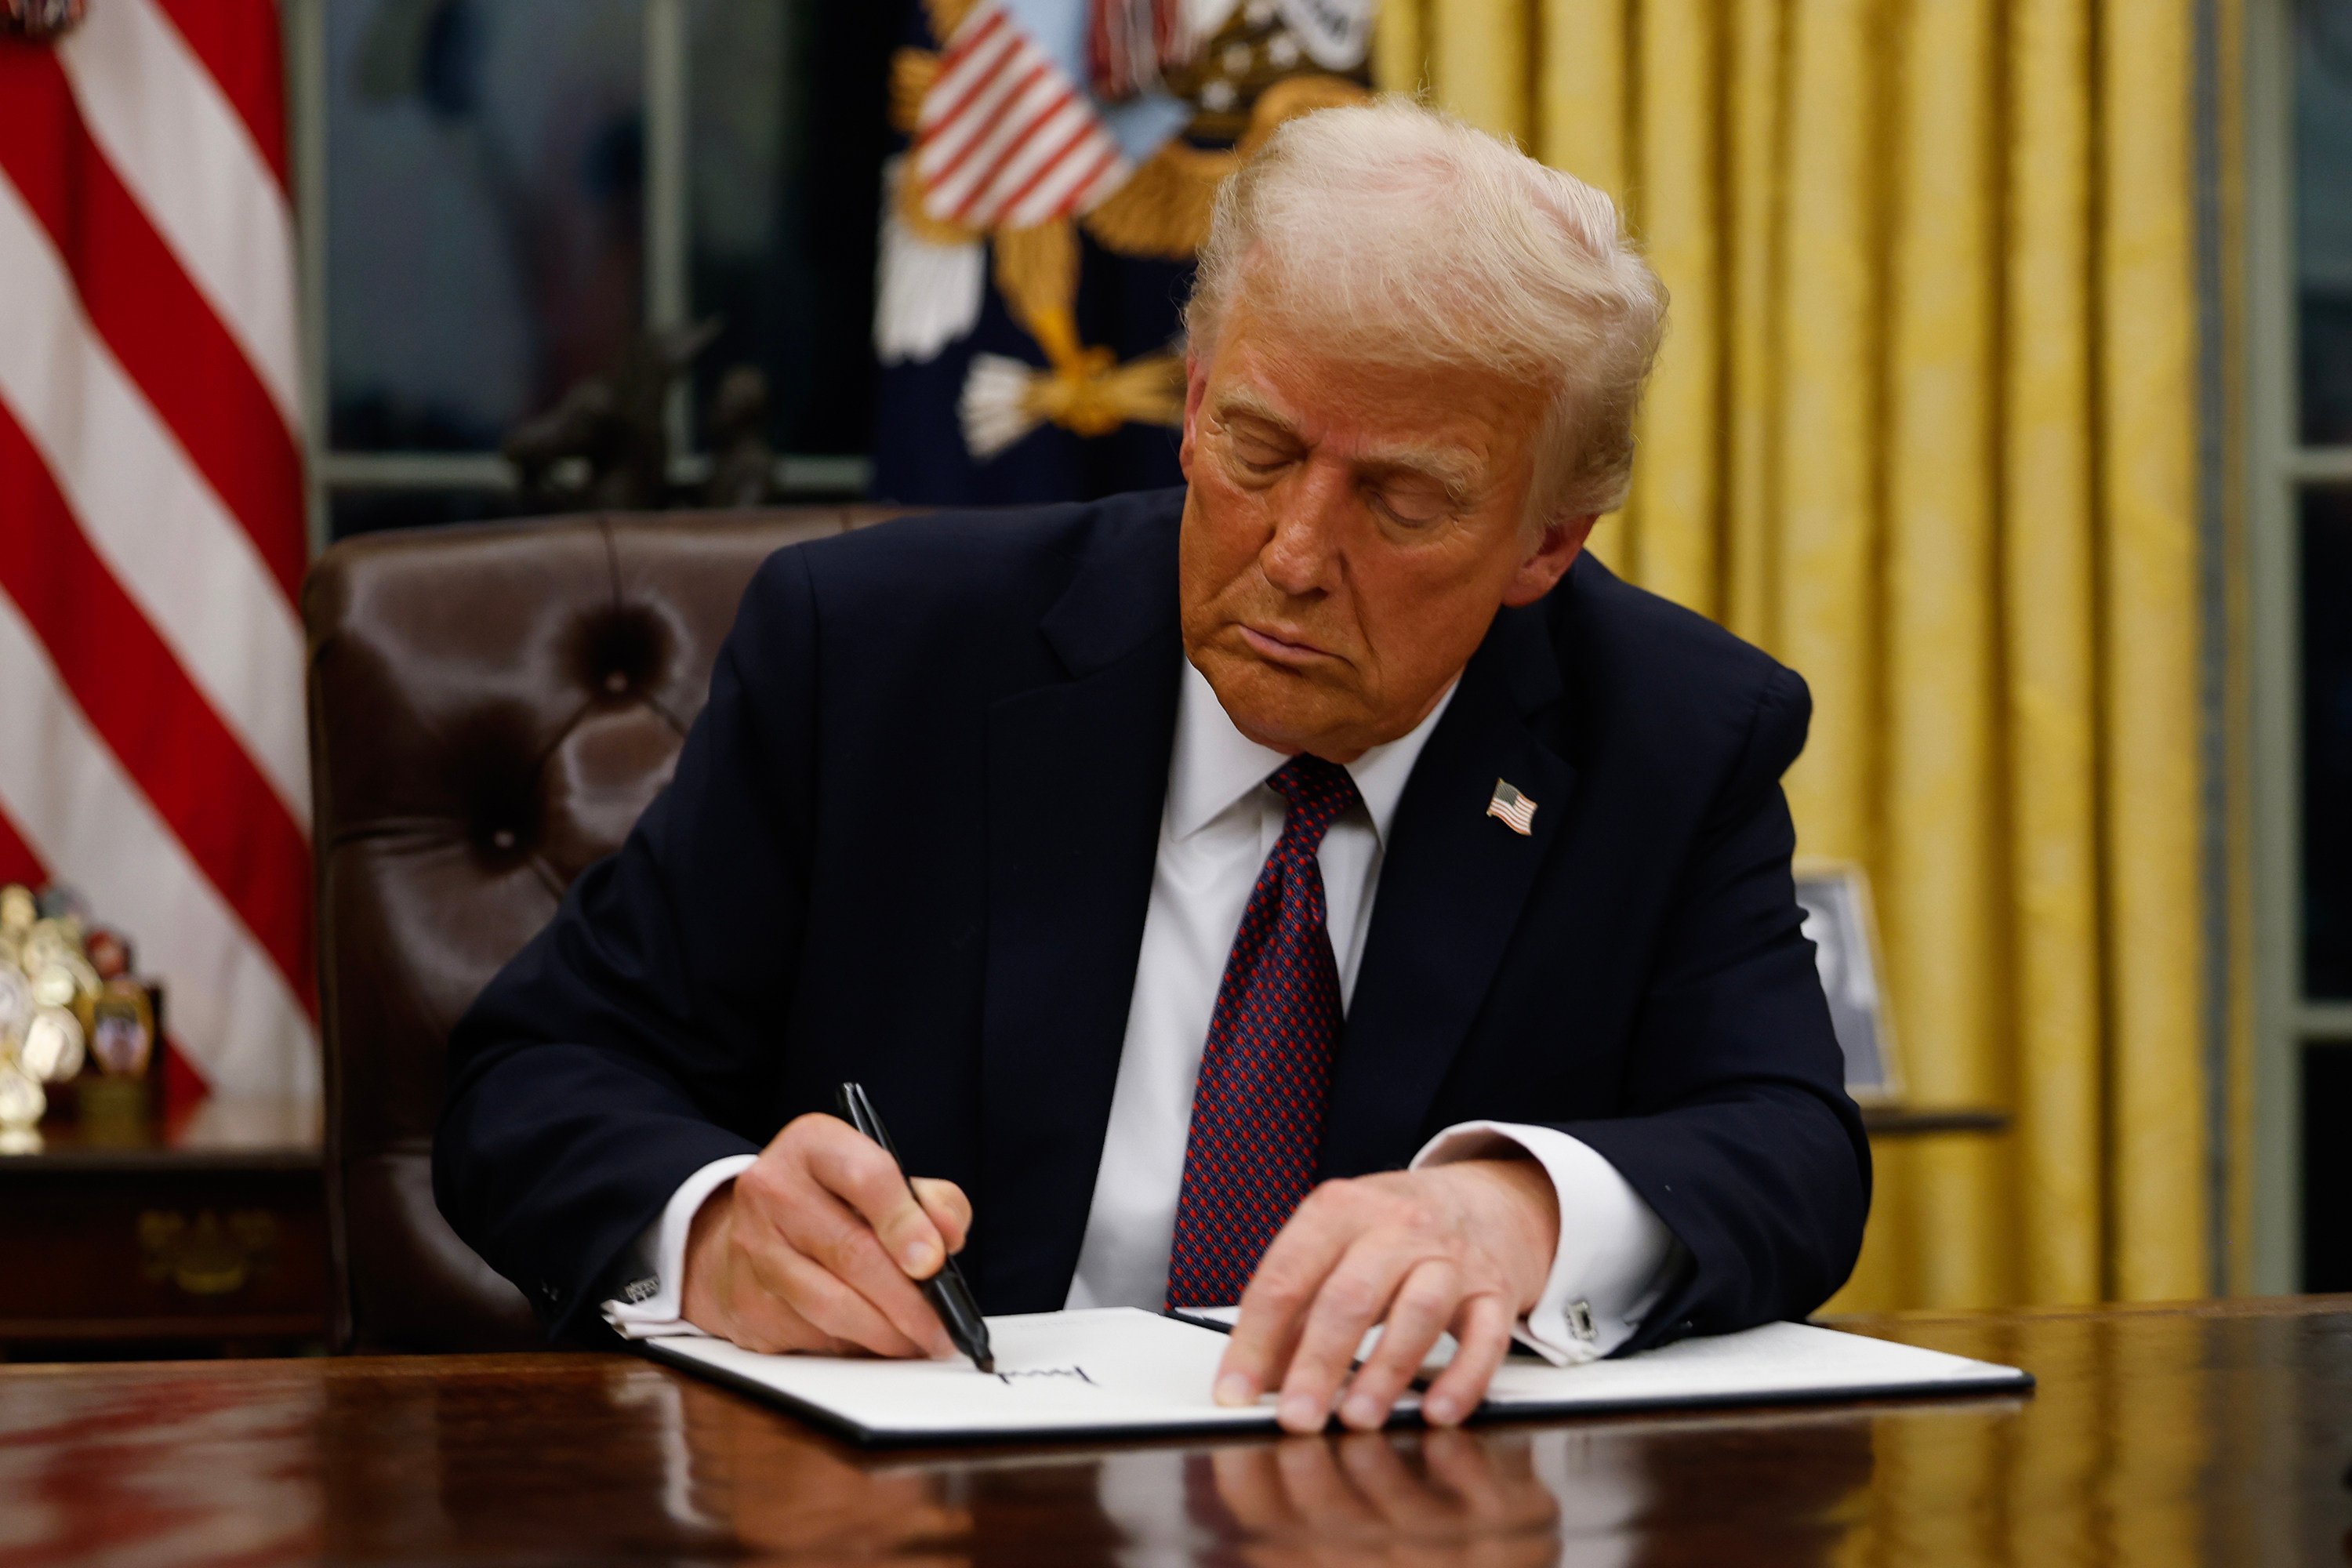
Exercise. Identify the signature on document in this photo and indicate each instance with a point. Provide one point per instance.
(1078, 1372)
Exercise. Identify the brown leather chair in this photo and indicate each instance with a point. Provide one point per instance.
(491, 708)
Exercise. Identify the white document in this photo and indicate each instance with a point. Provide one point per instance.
(1121, 1371)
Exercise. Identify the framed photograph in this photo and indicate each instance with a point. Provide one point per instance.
(1835, 896)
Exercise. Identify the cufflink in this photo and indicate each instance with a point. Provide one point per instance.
(1580, 1322)
(644, 1290)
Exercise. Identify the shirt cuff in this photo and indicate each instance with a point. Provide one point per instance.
(1615, 1255)
(650, 1303)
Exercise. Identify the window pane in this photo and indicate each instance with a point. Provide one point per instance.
(2323, 216)
(484, 201)
(785, 140)
(2328, 743)
(2327, 1167)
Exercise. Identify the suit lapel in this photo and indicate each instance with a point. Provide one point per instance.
(1452, 881)
(1078, 772)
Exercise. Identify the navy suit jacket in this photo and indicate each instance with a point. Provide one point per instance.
(911, 839)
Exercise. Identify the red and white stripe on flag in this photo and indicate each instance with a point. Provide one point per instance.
(1005, 139)
(152, 538)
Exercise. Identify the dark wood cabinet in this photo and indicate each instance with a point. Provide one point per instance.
(205, 1236)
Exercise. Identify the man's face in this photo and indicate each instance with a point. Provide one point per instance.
(1348, 535)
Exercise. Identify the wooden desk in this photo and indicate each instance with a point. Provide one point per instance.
(2170, 1436)
(207, 1234)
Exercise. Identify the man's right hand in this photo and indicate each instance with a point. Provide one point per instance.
(818, 1246)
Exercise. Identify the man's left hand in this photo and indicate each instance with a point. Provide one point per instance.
(1464, 1247)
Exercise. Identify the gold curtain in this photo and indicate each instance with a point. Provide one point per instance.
(1925, 427)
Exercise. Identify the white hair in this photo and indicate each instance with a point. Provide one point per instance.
(1392, 234)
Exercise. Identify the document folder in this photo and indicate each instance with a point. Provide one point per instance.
(1120, 1371)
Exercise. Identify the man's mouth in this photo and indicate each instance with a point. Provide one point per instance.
(1283, 645)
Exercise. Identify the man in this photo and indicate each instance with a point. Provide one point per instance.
(1324, 887)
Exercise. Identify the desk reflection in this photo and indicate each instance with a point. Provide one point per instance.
(1491, 1498)
(1445, 1498)
(775, 1486)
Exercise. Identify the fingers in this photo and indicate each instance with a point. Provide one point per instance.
(747, 1315)
(1423, 1305)
(843, 1236)
(760, 1319)
(817, 1217)
(831, 1306)
(1382, 1279)
(1408, 1250)
(860, 1172)
(818, 1244)
(723, 1296)
(1280, 1295)
(948, 1208)
(1482, 1332)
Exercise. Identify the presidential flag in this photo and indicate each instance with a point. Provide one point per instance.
(151, 533)
(1038, 233)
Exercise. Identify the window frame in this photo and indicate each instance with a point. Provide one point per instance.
(2279, 468)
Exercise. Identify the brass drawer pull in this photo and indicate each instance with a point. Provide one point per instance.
(205, 1256)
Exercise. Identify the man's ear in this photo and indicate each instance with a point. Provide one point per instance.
(1549, 560)
(1196, 386)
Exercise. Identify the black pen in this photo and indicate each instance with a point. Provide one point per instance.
(946, 1290)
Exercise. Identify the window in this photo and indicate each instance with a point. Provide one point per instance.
(2299, 215)
(497, 196)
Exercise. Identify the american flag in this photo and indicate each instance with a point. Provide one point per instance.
(152, 538)
(1004, 138)
(1516, 811)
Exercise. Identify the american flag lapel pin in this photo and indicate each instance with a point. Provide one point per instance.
(1518, 812)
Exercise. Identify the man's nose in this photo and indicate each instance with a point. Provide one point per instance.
(1302, 556)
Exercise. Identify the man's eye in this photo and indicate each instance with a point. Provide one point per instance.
(1259, 457)
(1414, 506)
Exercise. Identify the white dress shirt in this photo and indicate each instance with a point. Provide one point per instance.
(1220, 823)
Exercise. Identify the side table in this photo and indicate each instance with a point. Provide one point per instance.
(207, 1235)
(1910, 1121)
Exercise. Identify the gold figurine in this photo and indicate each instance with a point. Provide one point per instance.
(15, 1005)
(52, 1051)
(22, 1100)
(69, 1010)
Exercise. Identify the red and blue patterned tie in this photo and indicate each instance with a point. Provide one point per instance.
(1257, 1108)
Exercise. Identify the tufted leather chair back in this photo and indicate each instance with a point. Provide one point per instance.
(491, 708)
